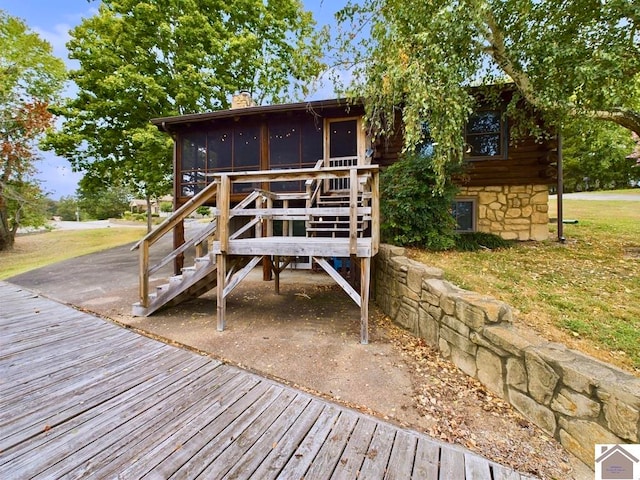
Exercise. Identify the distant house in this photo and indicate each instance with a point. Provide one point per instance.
(138, 205)
(504, 191)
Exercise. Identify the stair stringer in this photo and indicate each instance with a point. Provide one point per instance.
(193, 282)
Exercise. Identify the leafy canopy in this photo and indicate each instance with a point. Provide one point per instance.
(151, 58)
(566, 58)
(595, 156)
(31, 77)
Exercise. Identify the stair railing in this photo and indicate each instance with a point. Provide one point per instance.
(361, 179)
(145, 270)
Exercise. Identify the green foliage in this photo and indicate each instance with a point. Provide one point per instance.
(166, 207)
(68, 208)
(203, 211)
(565, 59)
(27, 204)
(413, 212)
(100, 200)
(30, 79)
(471, 242)
(141, 59)
(134, 217)
(595, 156)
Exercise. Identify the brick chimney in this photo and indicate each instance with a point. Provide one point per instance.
(242, 100)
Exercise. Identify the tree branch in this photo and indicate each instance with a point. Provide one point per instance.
(623, 117)
(626, 118)
(498, 52)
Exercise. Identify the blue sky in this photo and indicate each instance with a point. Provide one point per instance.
(52, 20)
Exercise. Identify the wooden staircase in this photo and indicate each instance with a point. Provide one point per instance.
(191, 283)
(194, 281)
(338, 225)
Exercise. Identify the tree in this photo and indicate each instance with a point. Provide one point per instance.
(27, 204)
(595, 156)
(149, 58)
(101, 200)
(68, 208)
(566, 58)
(30, 78)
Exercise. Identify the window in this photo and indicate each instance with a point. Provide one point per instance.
(464, 212)
(226, 149)
(344, 139)
(293, 143)
(484, 135)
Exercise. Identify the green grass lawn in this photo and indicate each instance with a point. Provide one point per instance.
(628, 191)
(584, 293)
(41, 249)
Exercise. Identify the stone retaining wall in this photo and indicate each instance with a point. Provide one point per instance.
(514, 212)
(576, 399)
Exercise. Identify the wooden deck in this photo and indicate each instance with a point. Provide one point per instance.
(84, 398)
(297, 246)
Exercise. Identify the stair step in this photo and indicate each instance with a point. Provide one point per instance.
(175, 279)
(333, 222)
(345, 230)
(162, 288)
(138, 310)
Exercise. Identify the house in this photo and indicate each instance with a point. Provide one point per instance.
(616, 463)
(504, 190)
(138, 205)
(298, 184)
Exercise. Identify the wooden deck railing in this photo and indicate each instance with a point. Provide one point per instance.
(363, 184)
(262, 207)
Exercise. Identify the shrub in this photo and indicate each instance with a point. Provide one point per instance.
(413, 212)
(203, 211)
(470, 242)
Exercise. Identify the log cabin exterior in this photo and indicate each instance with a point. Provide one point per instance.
(504, 189)
(298, 183)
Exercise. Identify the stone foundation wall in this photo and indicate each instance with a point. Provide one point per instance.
(574, 398)
(513, 212)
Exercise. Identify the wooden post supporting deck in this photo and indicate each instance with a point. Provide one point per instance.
(224, 199)
(276, 270)
(221, 261)
(365, 277)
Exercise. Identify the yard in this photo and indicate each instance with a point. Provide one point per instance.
(584, 293)
(42, 249)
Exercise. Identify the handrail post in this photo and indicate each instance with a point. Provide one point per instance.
(375, 211)
(353, 211)
(144, 274)
(224, 202)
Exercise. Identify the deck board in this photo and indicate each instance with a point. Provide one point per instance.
(84, 398)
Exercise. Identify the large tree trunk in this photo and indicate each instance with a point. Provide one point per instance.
(7, 235)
